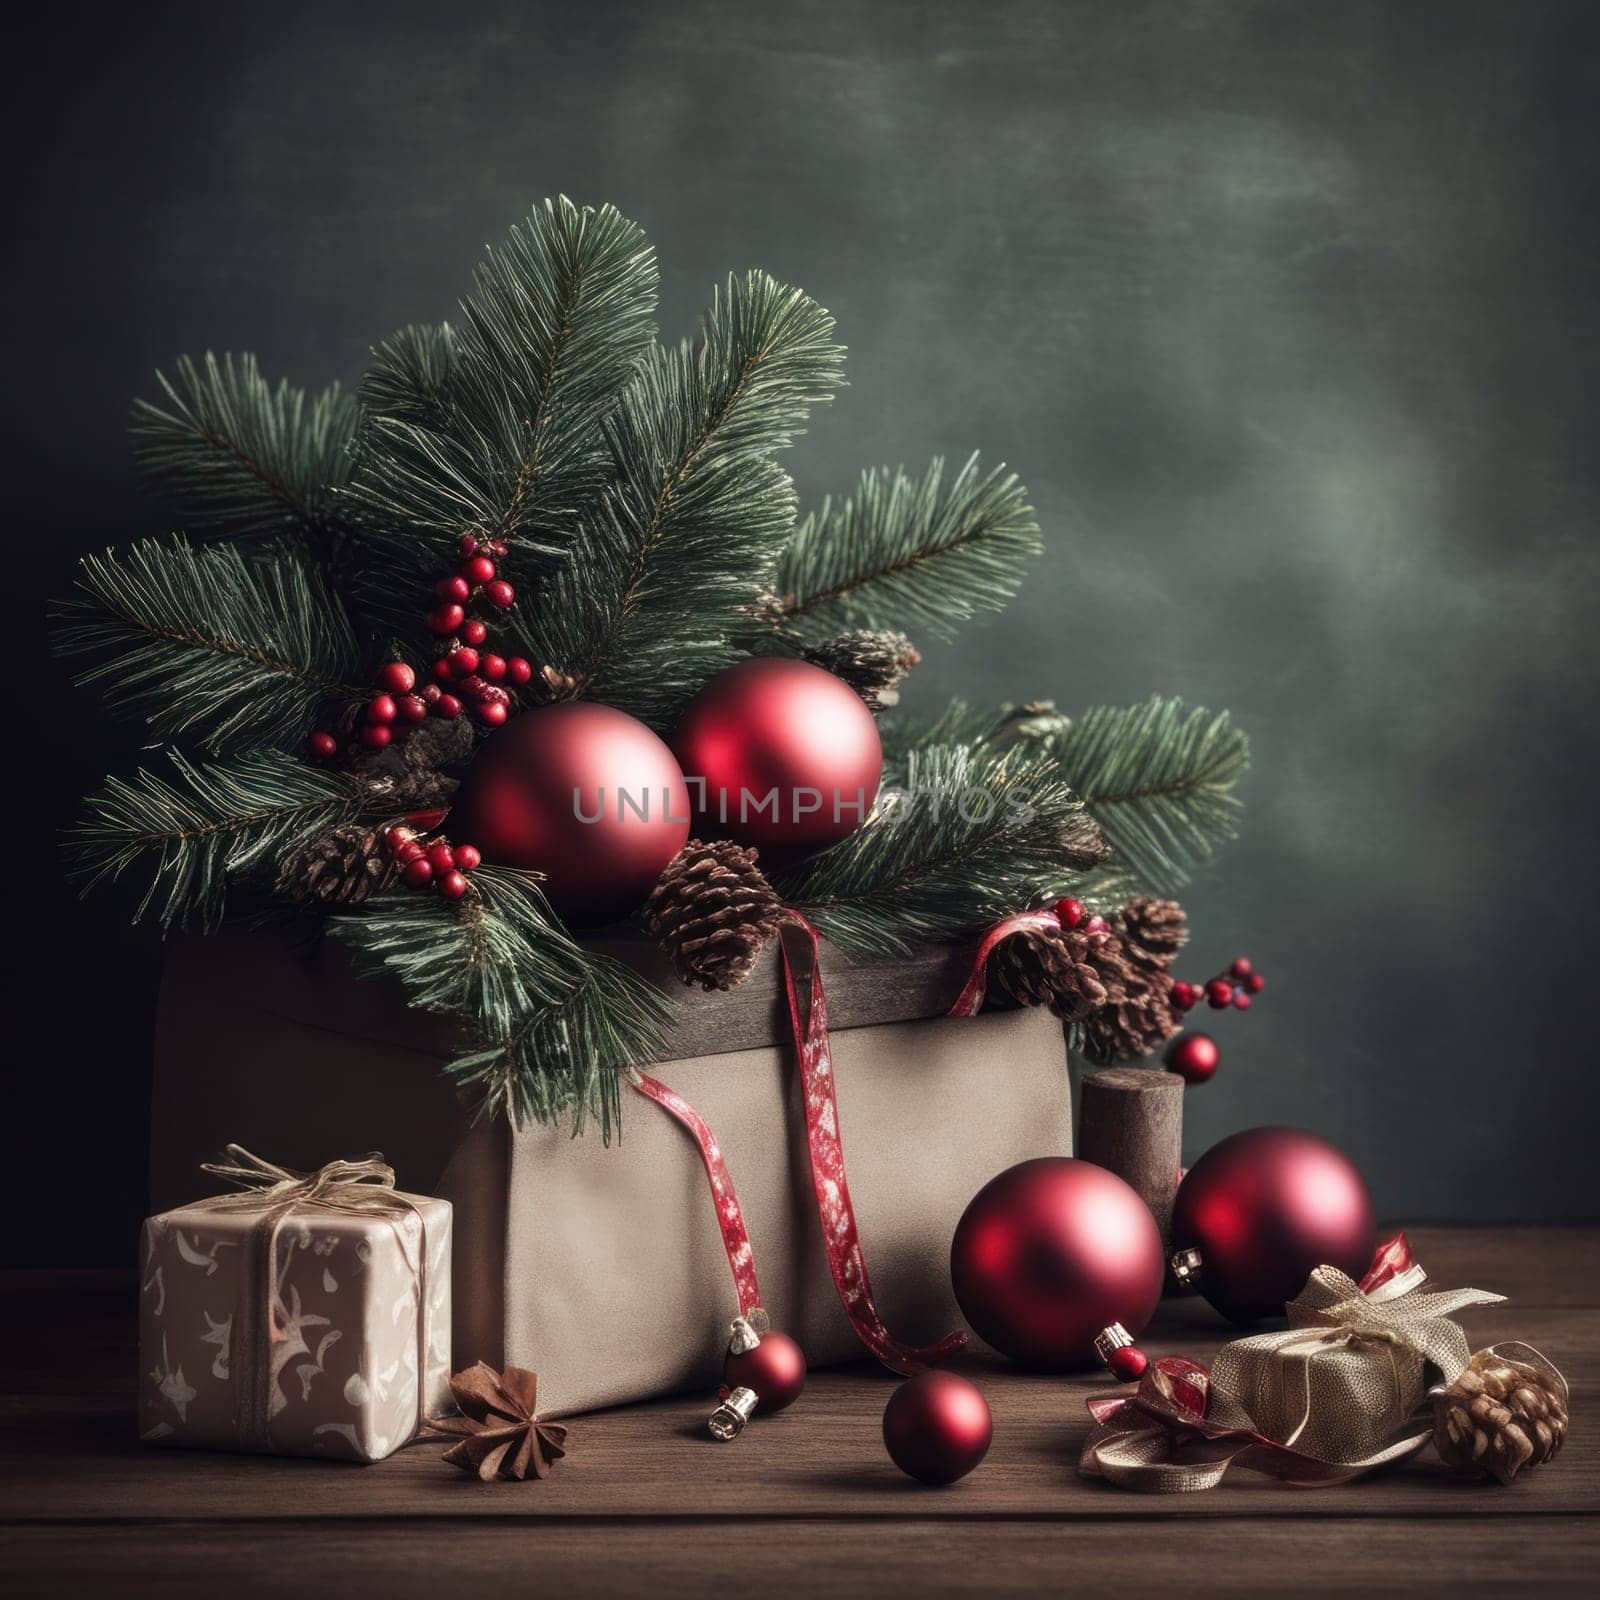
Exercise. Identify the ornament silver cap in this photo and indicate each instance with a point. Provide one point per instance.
(728, 1420)
(1115, 1337)
(743, 1336)
(1185, 1266)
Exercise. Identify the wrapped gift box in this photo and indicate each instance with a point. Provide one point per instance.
(600, 1267)
(351, 1353)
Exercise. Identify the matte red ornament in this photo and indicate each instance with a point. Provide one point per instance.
(789, 753)
(937, 1427)
(1262, 1209)
(775, 1369)
(585, 794)
(1048, 1254)
(1193, 1056)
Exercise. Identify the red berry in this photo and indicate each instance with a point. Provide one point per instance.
(1255, 983)
(477, 570)
(463, 663)
(1070, 913)
(376, 735)
(475, 632)
(419, 872)
(1184, 995)
(467, 547)
(493, 668)
(494, 693)
(490, 713)
(457, 589)
(446, 618)
(468, 856)
(413, 708)
(381, 708)
(397, 678)
(441, 669)
(323, 746)
(1241, 1000)
(1097, 924)
(1219, 994)
(1127, 1362)
(500, 593)
(441, 855)
(1193, 1056)
(398, 835)
(430, 693)
(452, 885)
(447, 706)
(410, 851)
(518, 671)
(1241, 967)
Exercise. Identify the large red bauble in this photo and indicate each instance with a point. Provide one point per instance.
(1263, 1208)
(1051, 1252)
(531, 786)
(772, 726)
(775, 1370)
(937, 1427)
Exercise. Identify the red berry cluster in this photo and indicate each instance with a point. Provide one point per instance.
(475, 678)
(436, 864)
(474, 578)
(1236, 986)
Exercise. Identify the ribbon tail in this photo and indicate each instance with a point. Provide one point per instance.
(841, 1237)
(970, 1001)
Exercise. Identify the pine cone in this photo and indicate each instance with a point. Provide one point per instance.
(1500, 1416)
(713, 911)
(407, 775)
(1051, 967)
(338, 868)
(550, 684)
(871, 661)
(1153, 931)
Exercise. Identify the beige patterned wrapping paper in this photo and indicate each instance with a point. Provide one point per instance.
(361, 1312)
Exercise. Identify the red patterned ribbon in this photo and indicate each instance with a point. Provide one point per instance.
(1394, 1270)
(840, 1235)
(735, 1236)
(970, 1001)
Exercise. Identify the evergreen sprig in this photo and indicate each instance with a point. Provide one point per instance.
(492, 428)
(697, 510)
(899, 553)
(210, 821)
(228, 645)
(1161, 781)
(242, 457)
(552, 1026)
(971, 838)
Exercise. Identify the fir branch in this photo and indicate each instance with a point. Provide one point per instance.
(241, 457)
(973, 837)
(507, 448)
(696, 511)
(228, 646)
(553, 1025)
(1160, 780)
(210, 821)
(921, 557)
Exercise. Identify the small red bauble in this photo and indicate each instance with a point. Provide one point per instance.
(500, 593)
(1262, 1209)
(476, 570)
(381, 708)
(447, 706)
(377, 735)
(1070, 913)
(1219, 994)
(418, 872)
(583, 793)
(775, 1369)
(323, 746)
(441, 856)
(462, 663)
(468, 856)
(491, 713)
(937, 1427)
(474, 632)
(1193, 1056)
(789, 754)
(493, 668)
(1127, 1363)
(451, 885)
(518, 671)
(397, 677)
(457, 589)
(1051, 1252)
(446, 618)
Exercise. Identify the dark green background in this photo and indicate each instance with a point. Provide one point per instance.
(1286, 313)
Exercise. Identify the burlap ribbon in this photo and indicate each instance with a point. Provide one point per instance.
(364, 1187)
(1336, 1394)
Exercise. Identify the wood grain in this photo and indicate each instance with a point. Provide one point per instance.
(803, 1502)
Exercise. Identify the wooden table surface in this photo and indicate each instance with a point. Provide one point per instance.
(806, 1502)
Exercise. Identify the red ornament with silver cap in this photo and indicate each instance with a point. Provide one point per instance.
(768, 1363)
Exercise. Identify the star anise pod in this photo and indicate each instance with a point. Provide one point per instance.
(499, 1432)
